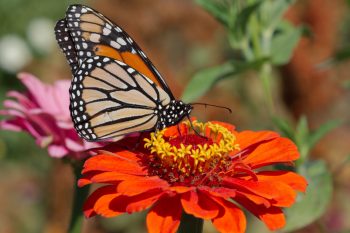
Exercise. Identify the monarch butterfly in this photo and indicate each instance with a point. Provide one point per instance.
(116, 90)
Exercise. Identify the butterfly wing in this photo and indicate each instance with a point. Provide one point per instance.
(109, 98)
(66, 44)
(95, 35)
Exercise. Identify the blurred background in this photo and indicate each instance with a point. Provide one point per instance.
(182, 39)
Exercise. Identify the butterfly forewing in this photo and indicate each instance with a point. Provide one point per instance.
(66, 44)
(94, 34)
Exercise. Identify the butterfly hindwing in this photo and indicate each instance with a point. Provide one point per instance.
(110, 98)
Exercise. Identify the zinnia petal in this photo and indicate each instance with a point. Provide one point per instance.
(164, 217)
(139, 185)
(248, 138)
(272, 216)
(103, 177)
(107, 193)
(231, 219)
(297, 182)
(199, 205)
(143, 201)
(279, 150)
(113, 163)
(280, 193)
(220, 191)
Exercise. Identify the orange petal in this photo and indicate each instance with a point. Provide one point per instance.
(104, 207)
(136, 203)
(103, 177)
(248, 138)
(143, 201)
(137, 185)
(164, 217)
(278, 150)
(219, 192)
(262, 189)
(199, 205)
(231, 219)
(84, 181)
(176, 130)
(112, 163)
(181, 189)
(281, 193)
(255, 199)
(273, 216)
(111, 177)
(297, 182)
(89, 205)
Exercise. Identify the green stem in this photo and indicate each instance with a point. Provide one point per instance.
(80, 195)
(189, 223)
(265, 76)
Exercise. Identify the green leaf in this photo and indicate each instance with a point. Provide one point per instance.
(285, 127)
(311, 205)
(243, 17)
(301, 138)
(204, 80)
(218, 10)
(272, 12)
(283, 43)
(302, 130)
(321, 132)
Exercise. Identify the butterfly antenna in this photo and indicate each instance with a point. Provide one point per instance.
(212, 105)
(192, 127)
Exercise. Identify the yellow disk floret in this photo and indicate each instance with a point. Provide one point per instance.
(217, 142)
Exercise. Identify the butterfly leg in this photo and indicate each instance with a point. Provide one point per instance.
(178, 129)
(192, 127)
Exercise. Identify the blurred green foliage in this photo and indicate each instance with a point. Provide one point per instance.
(257, 31)
(15, 14)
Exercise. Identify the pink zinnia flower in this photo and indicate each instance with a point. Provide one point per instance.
(43, 112)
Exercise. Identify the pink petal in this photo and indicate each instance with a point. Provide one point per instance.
(57, 151)
(22, 99)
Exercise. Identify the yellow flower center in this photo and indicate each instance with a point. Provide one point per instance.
(191, 151)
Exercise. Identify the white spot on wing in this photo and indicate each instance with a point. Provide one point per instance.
(115, 45)
(106, 31)
(121, 41)
(95, 37)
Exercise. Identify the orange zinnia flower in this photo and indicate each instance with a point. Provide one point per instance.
(205, 175)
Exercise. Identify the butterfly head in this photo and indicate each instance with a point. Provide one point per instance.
(173, 113)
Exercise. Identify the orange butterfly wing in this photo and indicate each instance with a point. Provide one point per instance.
(95, 35)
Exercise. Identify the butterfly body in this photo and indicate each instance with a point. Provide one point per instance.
(115, 90)
(172, 113)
